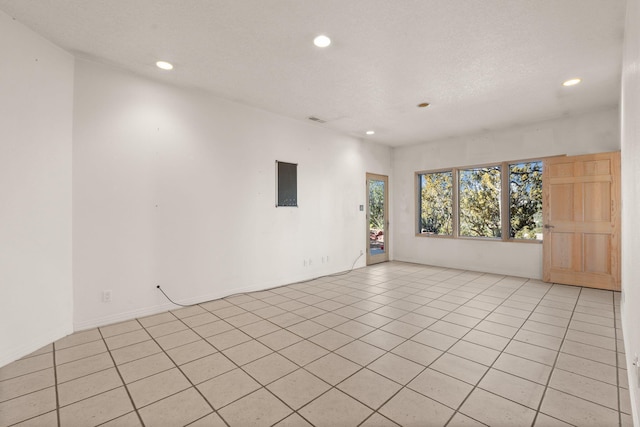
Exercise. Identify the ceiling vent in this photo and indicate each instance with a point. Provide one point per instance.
(315, 119)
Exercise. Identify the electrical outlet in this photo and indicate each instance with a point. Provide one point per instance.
(106, 296)
(361, 252)
(304, 262)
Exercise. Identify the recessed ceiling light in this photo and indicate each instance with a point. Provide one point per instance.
(322, 41)
(423, 105)
(370, 132)
(164, 65)
(571, 82)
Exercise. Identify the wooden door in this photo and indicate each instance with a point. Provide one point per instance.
(581, 213)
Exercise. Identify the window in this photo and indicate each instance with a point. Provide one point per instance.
(525, 200)
(436, 203)
(479, 206)
(501, 201)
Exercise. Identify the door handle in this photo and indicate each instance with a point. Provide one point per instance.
(548, 226)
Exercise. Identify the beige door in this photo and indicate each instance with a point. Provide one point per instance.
(377, 222)
(581, 211)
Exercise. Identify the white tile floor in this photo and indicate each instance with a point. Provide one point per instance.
(391, 344)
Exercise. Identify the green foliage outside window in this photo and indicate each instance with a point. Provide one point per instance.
(479, 195)
(525, 200)
(480, 211)
(376, 205)
(436, 203)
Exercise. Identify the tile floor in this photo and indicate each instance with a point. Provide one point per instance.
(391, 344)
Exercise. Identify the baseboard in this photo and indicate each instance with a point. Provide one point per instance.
(466, 267)
(9, 355)
(149, 311)
(635, 409)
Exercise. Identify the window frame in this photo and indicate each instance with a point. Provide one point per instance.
(505, 220)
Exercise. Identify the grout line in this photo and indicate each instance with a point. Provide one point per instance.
(333, 351)
(124, 384)
(234, 363)
(265, 386)
(477, 383)
(55, 382)
(389, 288)
(615, 336)
(180, 369)
(78, 345)
(555, 361)
(404, 386)
(531, 312)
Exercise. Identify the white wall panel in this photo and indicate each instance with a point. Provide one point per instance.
(36, 110)
(630, 112)
(177, 188)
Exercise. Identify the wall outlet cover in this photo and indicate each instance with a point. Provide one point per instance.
(106, 296)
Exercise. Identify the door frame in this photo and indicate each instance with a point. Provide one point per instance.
(375, 259)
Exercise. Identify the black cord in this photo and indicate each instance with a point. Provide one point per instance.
(288, 284)
(167, 296)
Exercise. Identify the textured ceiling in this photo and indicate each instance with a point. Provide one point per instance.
(481, 64)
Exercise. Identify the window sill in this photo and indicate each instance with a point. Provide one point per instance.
(481, 239)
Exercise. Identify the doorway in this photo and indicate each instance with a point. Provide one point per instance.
(377, 218)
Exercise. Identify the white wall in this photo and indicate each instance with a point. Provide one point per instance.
(36, 110)
(590, 133)
(630, 113)
(177, 188)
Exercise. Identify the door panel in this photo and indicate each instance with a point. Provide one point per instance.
(597, 253)
(562, 199)
(377, 218)
(561, 169)
(562, 247)
(598, 196)
(597, 167)
(581, 210)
